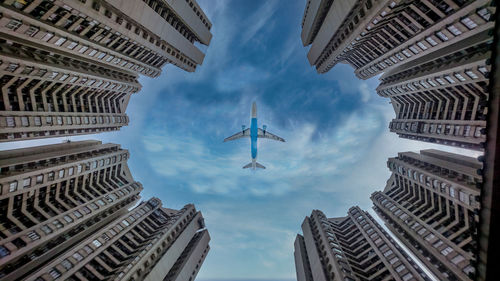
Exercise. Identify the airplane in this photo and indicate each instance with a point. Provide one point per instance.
(253, 133)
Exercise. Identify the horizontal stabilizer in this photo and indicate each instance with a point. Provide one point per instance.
(257, 165)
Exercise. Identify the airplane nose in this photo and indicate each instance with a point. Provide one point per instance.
(254, 110)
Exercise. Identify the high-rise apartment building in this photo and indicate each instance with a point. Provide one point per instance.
(55, 195)
(349, 248)
(148, 243)
(65, 215)
(375, 36)
(431, 203)
(69, 67)
(434, 56)
(443, 97)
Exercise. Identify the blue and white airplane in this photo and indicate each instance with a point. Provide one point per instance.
(253, 133)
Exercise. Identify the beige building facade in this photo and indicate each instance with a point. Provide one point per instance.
(69, 67)
(443, 97)
(431, 203)
(349, 248)
(67, 215)
(376, 36)
(434, 57)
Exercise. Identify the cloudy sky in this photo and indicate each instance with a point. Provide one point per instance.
(335, 126)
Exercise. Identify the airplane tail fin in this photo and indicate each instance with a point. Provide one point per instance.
(257, 165)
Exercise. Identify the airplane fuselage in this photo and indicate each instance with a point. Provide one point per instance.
(253, 137)
(254, 132)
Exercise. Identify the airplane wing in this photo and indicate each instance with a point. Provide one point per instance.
(242, 134)
(268, 135)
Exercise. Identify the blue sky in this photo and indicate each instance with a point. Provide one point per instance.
(335, 126)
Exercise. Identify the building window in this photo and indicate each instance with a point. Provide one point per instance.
(12, 67)
(83, 49)
(77, 214)
(14, 24)
(438, 244)
(47, 36)
(459, 77)
(26, 182)
(77, 256)
(431, 41)
(39, 179)
(96, 5)
(430, 237)
(440, 81)
(469, 270)
(446, 251)
(72, 45)
(422, 46)
(457, 259)
(86, 210)
(31, 31)
(46, 229)
(471, 74)
(66, 264)
(484, 13)
(60, 41)
(469, 23)
(97, 243)
(442, 36)
(57, 224)
(400, 268)
(13, 186)
(88, 249)
(449, 79)
(452, 192)
(33, 235)
(453, 29)
(63, 77)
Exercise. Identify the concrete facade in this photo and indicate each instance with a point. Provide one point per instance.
(66, 216)
(69, 67)
(376, 36)
(443, 97)
(350, 248)
(431, 203)
(434, 56)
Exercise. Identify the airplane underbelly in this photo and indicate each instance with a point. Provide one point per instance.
(253, 137)
(254, 148)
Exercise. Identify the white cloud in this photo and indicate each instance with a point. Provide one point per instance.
(259, 20)
(238, 77)
(365, 92)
